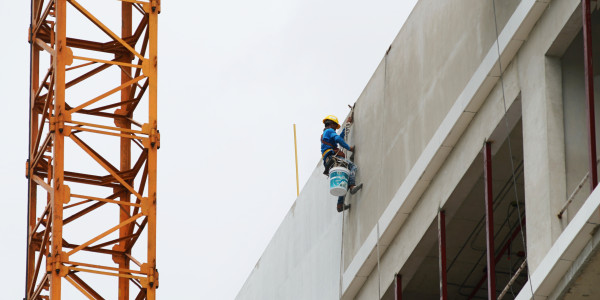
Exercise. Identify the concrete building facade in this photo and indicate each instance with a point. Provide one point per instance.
(459, 74)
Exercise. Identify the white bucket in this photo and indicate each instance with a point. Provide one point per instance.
(338, 181)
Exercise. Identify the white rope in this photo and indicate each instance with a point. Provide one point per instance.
(380, 177)
(512, 164)
(378, 270)
(347, 137)
(342, 258)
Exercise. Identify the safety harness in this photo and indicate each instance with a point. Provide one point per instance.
(328, 159)
(336, 150)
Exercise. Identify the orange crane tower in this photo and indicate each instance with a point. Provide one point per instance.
(93, 150)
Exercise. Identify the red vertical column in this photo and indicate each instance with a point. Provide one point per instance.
(489, 220)
(398, 287)
(442, 255)
(589, 91)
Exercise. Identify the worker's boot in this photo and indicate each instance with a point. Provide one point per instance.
(355, 188)
(341, 207)
(340, 204)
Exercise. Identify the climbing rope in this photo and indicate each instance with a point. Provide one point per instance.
(512, 164)
(381, 173)
(342, 257)
(347, 135)
(378, 270)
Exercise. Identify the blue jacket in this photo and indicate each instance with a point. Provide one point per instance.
(332, 138)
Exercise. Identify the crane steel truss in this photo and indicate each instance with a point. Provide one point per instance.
(69, 113)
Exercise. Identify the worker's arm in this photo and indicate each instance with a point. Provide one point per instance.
(340, 140)
(331, 135)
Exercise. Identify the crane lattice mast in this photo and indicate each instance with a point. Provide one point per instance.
(93, 150)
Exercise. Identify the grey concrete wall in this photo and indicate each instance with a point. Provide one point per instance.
(302, 261)
(423, 217)
(412, 90)
(543, 130)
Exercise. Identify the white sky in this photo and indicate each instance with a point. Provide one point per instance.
(233, 78)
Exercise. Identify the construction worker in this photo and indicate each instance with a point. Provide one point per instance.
(329, 149)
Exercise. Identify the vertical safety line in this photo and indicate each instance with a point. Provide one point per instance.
(347, 152)
(378, 270)
(342, 257)
(381, 167)
(489, 220)
(589, 92)
(442, 255)
(512, 163)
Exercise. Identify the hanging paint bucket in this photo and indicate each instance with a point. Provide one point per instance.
(338, 181)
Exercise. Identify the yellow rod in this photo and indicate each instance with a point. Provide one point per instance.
(296, 152)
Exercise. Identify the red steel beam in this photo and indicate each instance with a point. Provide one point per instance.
(589, 92)
(442, 255)
(489, 220)
(398, 287)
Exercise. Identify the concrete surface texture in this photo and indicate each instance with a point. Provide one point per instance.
(420, 125)
(302, 261)
(428, 65)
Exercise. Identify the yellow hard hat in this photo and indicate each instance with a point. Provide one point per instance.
(334, 119)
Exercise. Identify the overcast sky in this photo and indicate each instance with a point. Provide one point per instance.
(233, 77)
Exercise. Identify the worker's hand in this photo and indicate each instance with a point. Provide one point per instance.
(352, 148)
(350, 119)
